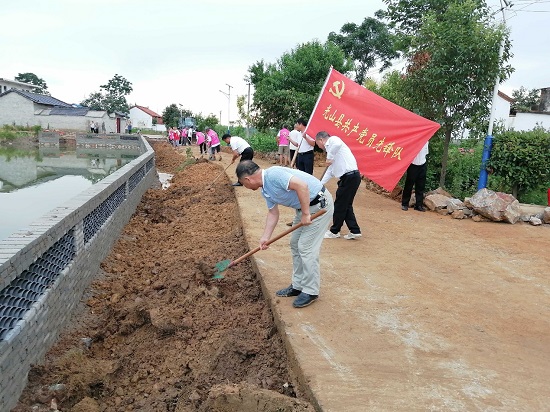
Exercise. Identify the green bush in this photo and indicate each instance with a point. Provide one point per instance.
(520, 161)
(263, 142)
(463, 170)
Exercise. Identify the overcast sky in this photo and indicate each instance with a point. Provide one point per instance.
(185, 52)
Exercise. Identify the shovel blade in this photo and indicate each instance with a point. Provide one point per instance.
(220, 268)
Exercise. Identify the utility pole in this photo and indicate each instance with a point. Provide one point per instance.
(228, 95)
(488, 143)
(248, 113)
(228, 107)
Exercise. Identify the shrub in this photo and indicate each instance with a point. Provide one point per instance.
(521, 161)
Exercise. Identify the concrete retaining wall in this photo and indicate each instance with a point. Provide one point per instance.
(45, 270)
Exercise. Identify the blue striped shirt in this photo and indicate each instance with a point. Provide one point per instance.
(275, 186)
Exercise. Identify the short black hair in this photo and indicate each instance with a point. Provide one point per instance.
(301, 121)
(225, 136)
(246, 168)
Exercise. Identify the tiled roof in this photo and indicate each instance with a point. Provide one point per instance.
(148, 111)
(505, 97)
(69, 111)
(38, 98)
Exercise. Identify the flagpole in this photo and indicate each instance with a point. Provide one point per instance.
(319, 98)
(293, 161)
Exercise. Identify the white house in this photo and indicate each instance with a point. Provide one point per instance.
(142, 118)
(6, 84)
(31, 109)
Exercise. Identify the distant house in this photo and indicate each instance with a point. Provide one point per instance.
(31, 109)
(523, 121)
(145, 118)
(6, 84)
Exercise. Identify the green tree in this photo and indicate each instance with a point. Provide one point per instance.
(31, 78)
(289, 88)
(521, 159)
(453, 61)
(367, 44)
(171, 115)
(525, 100)
(111, 97)
(209, 121)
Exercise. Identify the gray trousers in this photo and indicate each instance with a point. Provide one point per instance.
(305, 246)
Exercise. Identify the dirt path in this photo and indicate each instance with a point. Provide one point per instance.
(162, 335)
(422, 313)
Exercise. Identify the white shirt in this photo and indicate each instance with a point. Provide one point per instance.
(343, 160)
(304, 144)
(420, 158)
(296, 136)
(238, 144)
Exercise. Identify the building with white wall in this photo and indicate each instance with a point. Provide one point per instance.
(142, 118)
(25, 108)
(6, 84)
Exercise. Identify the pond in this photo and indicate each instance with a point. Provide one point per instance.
(36, 180)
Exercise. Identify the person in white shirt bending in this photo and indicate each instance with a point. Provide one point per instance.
(240, 147)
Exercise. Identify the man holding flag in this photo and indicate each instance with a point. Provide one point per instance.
(341, 164)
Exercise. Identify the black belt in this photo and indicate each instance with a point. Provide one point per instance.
(305, 153)
(317, 198)
(350, 173)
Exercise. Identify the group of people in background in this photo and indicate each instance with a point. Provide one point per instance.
(289, 142)
(180, 137)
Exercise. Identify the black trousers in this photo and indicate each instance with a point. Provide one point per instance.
(305, 162)
(343, 204)
(416, 176)
(247, 154)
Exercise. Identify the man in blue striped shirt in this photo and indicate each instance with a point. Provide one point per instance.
(306, 194)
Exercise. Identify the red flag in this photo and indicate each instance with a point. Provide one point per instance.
(384, 137)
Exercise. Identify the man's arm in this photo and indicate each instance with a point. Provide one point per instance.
(302, 190)
(270, 223)
(235, 155)
(309, 139)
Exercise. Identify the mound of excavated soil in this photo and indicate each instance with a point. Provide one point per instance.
(157, 333)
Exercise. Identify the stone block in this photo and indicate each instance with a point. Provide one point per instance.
(496, 206)
(436, 201)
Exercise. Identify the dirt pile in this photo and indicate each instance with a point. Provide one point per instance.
(157, 333)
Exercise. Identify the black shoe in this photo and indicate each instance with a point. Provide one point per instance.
(404, 207)
(237, 184)
(287, 292)
(420, 208)
(304, 300)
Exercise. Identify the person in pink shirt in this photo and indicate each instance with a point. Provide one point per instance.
(172, 136)
(283, 142)
(201, 142)
(213, 143)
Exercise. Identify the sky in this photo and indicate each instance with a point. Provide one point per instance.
(190, 52)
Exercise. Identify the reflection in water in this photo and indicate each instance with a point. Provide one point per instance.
(33, 182)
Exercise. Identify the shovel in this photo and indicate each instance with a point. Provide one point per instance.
(218, 176)
(226, 264)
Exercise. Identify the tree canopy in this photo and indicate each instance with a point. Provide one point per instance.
(366, 44)
(525, 100)
(288, 89)
(171, 115)
(31, 78)
(453, 61)
(111, 97)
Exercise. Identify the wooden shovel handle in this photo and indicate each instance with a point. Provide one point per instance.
(221, 173)
(274, 239)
